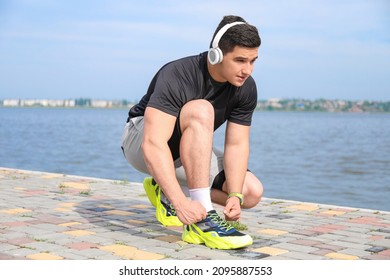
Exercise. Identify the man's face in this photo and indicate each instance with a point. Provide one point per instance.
(237, 65)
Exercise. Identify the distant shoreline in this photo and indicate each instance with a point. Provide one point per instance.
(274, 104)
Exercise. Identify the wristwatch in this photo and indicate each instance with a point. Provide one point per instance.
(237, 194)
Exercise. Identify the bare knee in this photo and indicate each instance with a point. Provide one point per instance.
(197, 112)
(253, 191)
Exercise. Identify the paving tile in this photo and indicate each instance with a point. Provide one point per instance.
(82, 245)
(281, 225)
(270, 231)
(44, 256)
(74, 256)
(142, 206)
(101, 240)
(330, 247)
(376, 257)
(307, 232)
(250, 255)
(131, 253)
(47, 227)
(280, 216)
(376, 237)
(50, 219)
(332, 213)
(272, 251)
(352, 245)
(304, 207)
(15, 211)
(79, 232)
(385, 253)
(355, 252)
(62, 209)
(369, 221)
(69, 224)
(321, 252)
(91, 253)
(10, 257)
(169, 238)
(14, 224)
(326, 228)
(67, 204)
(20, 241)
(107, 257)
(52, 176)
(136, 222)
(279, 257)
(292, 255)
(352, 234)
(119, 212)
(338, 256)
(75, 185)
(296, 248)
(305, 242)
(381, 242)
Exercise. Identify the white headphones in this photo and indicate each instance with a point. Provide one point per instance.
(215, 54)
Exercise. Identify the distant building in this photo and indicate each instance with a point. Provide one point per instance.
(38, 103)
(274, 103)
(11, 102)
(101, 103)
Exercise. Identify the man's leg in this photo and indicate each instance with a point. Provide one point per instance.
(252, 188)
(252, 191)
(131, 144)
(197, 128)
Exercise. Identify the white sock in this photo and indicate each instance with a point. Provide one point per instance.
(203, 196)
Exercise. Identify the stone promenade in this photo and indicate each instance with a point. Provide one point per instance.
(45, 216)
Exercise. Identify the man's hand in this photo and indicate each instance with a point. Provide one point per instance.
(190, 212)
(232, 209)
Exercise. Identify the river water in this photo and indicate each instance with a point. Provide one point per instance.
(332, 158)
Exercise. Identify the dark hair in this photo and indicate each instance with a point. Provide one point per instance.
(242, 35)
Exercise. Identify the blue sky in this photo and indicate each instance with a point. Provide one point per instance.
(336, 49)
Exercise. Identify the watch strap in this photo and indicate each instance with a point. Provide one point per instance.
(237, 194)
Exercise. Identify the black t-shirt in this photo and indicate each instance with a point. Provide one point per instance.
(186, 79)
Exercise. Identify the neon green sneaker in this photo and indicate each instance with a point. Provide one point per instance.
(165, 213)
(216, 233)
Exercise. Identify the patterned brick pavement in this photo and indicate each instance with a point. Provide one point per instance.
(46, 216)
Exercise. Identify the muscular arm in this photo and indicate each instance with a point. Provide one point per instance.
(158, 128)
(235, 164)
(236, 156)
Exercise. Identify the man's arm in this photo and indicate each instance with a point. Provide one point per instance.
(236, 157)
(158, 128)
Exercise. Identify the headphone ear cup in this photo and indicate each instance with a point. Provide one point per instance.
(215, 56)
(220, 55)
(212, 56)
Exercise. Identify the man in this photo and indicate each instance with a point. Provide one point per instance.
(169, 134)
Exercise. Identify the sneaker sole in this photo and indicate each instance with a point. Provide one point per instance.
(212, 240)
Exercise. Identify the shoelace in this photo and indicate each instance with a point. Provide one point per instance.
(170, 209)
(224, 225)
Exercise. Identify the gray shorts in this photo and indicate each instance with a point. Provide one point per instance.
(131, 146)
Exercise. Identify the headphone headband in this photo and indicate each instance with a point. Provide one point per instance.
(222, 31)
